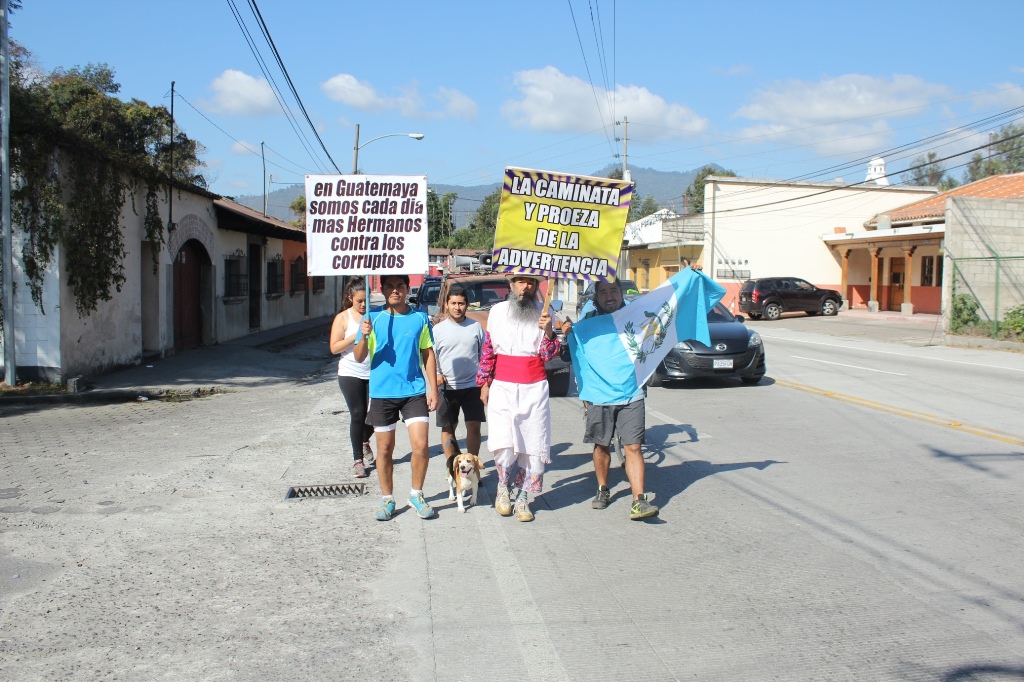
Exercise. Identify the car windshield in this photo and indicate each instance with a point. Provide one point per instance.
(428, 293)
(628, 287)
(720, 314)
(485, 294)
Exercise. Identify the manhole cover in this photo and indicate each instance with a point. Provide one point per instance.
(329, 490)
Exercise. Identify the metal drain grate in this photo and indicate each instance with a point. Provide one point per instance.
(329, 490)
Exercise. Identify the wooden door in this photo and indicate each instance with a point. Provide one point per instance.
(896, 282)
(188, 316)
(255, 285)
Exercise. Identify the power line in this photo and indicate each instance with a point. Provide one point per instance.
(270, 79)
(600, 112)
(291, 85)
(249, 149)
(863, 182)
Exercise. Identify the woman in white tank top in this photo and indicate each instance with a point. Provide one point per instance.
(354, 377)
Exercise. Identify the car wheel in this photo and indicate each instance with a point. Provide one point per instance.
(750, 381)
(558, 383)
(754, 316)
(829, 307)
(772, 311)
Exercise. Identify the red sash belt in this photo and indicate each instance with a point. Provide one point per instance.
(519, 369)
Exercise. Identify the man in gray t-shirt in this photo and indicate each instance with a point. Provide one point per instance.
(458, 341)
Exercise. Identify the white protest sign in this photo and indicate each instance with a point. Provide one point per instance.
(366, 224)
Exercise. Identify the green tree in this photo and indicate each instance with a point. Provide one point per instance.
(1005, 154)
(929, 172)
(79, 156)
(643, 208)
(486, 216)
(694, 194)
(298, 207)
(440, 219)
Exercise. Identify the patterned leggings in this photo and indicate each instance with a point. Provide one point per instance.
(521, 470)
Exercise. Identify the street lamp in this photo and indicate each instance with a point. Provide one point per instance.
(356, 147)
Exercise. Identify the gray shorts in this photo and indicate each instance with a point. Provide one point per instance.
(604, 421)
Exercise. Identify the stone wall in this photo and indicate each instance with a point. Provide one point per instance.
(977, 231)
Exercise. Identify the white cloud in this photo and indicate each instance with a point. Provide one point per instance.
(1017, 69)
(554, 102)
(235, 92)
(456, 104)
(352, 92)
(836, 115)
(1002, 96)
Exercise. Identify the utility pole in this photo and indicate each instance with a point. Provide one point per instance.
(263, 155)
(625, 149)
(711, 270)
(10, 368)
(170, 171)
(355, 153)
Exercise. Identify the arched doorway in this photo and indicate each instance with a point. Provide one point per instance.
(190, 266)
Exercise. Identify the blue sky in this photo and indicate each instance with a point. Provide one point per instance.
(768, 89)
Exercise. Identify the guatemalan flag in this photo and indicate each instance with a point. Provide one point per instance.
(614, 355)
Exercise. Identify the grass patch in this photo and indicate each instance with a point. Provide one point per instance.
(30, 388)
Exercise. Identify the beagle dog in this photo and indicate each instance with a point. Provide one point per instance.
(464, 473)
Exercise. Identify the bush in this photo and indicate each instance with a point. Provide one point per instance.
(965, 312)
(1014, 320)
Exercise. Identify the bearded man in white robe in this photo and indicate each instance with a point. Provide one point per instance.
(514, 386)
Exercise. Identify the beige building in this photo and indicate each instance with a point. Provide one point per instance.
(900, 258)
(224, 271)
(764, 228)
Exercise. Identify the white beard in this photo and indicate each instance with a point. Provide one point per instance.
(524, 310)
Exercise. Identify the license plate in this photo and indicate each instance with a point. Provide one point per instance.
(723, 363)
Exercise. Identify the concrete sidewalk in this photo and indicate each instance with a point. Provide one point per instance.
(228, 365)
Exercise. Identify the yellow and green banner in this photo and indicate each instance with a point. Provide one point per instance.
(560, 225)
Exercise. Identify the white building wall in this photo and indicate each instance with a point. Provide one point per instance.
(773, 228)
(36, 329)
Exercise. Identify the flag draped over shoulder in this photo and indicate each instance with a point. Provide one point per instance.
(614, 355)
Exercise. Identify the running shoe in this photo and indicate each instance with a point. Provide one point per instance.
(359, 469)
(642, 509)
(502, 502)
(603, 497)
(386, 509)
(523, 512)
(368, 455)
(422, 507)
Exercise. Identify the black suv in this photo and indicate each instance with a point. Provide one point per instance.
(772, 296)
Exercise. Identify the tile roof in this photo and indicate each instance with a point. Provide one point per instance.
(994, 187)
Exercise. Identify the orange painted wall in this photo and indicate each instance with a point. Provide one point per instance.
(292, 250)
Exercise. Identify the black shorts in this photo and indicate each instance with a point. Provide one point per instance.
(604, 421)
(383, 413)
(452, 399)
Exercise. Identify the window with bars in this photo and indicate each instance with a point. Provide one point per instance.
(319, 284)
(931, 271)
(275, 278)
(299, 279)
(236, 280)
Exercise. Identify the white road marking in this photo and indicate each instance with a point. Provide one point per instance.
(867, 369)
(889, 352)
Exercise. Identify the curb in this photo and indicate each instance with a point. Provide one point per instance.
(981, 342)
(109, 395)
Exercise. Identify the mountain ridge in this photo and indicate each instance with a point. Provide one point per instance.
(666, 187)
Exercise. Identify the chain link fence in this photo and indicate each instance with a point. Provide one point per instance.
(988, 296)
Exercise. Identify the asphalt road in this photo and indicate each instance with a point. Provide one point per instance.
(856, 516)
